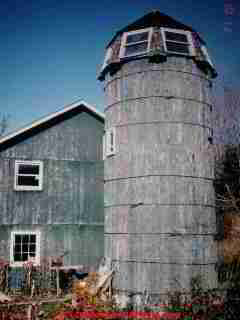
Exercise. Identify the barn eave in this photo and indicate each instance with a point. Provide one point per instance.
(48, 121)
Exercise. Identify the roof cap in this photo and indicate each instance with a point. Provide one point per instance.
(154, 19)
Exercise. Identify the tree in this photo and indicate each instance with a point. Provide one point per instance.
(4, 123)
(226, 115)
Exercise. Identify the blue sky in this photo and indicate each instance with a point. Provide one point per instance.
(51, 51)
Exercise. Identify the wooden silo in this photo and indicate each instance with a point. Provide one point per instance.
(159, 198)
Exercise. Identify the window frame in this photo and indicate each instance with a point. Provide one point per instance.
(206, 55)
(40, 175)
(109, 142)
(104, 145)
(189, 38)
(124, 43)
(210, 135)
(36, 260)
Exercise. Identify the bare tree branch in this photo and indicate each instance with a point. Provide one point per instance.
(4, 123)
(226, 114)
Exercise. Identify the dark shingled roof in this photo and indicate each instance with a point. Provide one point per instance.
(154, 19)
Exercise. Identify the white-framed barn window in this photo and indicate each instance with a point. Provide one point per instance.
(25, 247)
(109, 142)
(28, 175)
(178, 41)
(135, 42)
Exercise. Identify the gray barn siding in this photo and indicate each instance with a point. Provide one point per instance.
(69, 210)
(78, 240)
(78, 138)
(71, 194)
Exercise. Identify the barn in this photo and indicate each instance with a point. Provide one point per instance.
(51, 188)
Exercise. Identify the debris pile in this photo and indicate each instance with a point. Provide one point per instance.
(90, 291)
(95, 284)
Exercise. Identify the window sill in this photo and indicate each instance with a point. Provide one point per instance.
(34, 190)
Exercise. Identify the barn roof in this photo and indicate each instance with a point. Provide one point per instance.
(154, 19)
(48, 121)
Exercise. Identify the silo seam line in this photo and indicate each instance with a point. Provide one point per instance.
(173, 234)
(161, 204)
(159, 293)
(156, 70)
(157, 96)
(158, 175)
(162, 122)
(161, 262)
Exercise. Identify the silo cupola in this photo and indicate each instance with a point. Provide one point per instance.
(156, 36)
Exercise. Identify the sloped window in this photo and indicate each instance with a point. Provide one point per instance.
(178, 41)
(28, 175)
(25, 247)
(206, 55)
(135, 43)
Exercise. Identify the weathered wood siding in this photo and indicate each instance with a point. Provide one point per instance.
(82, 243)
(69, 210)
(72, 194)
(77, 138)
(159, 199)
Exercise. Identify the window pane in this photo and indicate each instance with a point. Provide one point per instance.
(27, 181)
(17, 248)
(143, 36)
(32, 248)
(24, 256)
(17, 238)
(177, 47)
(176, 36)
(111, 142)
(17, 257)
(136, 48)
(25, 238)
(32, 238)
(28, 169)
(25, 247)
